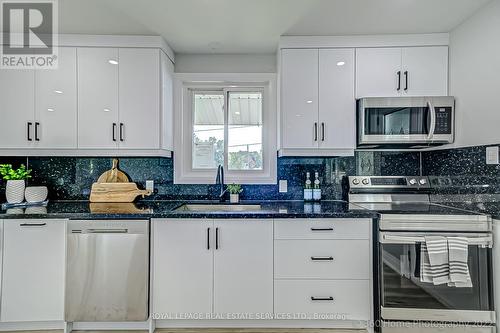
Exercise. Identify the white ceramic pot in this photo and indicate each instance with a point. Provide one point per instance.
(36, 193)
(14, 191)
(234, 198)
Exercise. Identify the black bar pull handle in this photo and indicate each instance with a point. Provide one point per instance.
(32, 224)
(399, 80)
(321, 229)
(315, 131)
(36, 131)
(121, 132)
(322, 258)
(29, 131)
(208, 238)
(322, 131)
(114, 132)
(406, 80)
(216, 238)
(321, 298)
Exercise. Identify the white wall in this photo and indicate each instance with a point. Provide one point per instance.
(475, 77)
(225, 63)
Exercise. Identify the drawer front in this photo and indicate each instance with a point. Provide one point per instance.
(320, 299)
(322, 259)
(322, 228)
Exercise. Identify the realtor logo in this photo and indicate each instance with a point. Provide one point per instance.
(29, 34)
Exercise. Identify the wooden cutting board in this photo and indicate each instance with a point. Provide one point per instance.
(116, 192)
(114, 175)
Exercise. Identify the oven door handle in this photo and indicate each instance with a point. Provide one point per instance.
(385, 238)
(432, 127)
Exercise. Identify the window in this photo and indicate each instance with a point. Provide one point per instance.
(230, 125)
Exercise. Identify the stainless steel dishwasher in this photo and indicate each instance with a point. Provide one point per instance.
(107, 276)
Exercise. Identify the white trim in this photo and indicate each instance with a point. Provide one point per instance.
(315, 152)
(133, 41)
(396, 40)
(87, 152)
(341, 324)
(183, 172)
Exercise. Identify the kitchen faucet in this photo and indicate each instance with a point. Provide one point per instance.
(220, 180)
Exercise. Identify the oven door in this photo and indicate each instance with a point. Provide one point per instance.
(408, 121)
(404, 297)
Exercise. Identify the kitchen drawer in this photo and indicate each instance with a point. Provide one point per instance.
(322, 259)
(322, 228)
(339, 300)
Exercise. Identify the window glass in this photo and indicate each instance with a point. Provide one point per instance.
(245, 131)
(208, 130)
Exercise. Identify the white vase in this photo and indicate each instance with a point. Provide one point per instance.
(234, 198)
(14, 191)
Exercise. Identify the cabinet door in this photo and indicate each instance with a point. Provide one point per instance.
(139, 80)
(299, 98)
(426, 71)
(56, 103)
(243, 266)
(17, 96)
(97, 98)
(377, 72)
(182, 266)
(33, 270)
(337, 105)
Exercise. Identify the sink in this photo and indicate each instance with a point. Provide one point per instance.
(218, 208)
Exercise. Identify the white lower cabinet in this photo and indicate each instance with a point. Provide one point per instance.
(206, 266)
(323, 299)
(33, 270)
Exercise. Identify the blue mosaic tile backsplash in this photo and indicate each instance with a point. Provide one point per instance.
(461, 170)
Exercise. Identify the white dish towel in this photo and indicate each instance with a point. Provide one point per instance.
(437, 249)
(458, 257)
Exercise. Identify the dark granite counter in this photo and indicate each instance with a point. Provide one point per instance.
(479, 203)
(166, 209)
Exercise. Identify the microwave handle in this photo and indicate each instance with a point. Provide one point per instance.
(432, 128)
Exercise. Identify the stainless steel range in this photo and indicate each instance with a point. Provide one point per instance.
(407, 299)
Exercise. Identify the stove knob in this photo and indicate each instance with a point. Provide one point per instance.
(355, 181)
(413, 181)
(422, 181)
(365, 181)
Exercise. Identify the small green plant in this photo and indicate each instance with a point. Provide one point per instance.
(234, 188)
(8, 173)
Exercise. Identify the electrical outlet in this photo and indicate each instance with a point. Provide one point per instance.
(283, 186)
(150, 185)
(492, 155)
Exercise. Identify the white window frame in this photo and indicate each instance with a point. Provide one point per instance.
(184, 85)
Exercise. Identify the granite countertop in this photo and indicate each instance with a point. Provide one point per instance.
(166, 209)
(489, 208)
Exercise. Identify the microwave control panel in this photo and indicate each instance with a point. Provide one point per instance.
(443, 120)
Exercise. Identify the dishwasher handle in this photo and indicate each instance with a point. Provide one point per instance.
(107, 231)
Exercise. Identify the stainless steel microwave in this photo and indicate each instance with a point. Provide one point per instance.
(405, 121)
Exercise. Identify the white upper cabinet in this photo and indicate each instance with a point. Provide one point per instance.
(409, 71)
(56, 103)
(299, 98)
(167, 102)
(426, 71)
(98, 126)
(17, 102)
(243, 266)
(337, 105)
(139, 101)
(378, 72)
(33, 270)
(317, 100)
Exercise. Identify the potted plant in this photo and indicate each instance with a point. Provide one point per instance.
(14, 190)
(234, 192)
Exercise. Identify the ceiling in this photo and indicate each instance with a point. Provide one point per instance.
(254, 26)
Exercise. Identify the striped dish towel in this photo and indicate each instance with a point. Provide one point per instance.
(458, 257)
(437, 250)
(425, 265)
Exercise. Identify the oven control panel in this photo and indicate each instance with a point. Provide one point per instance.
(387, 182)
